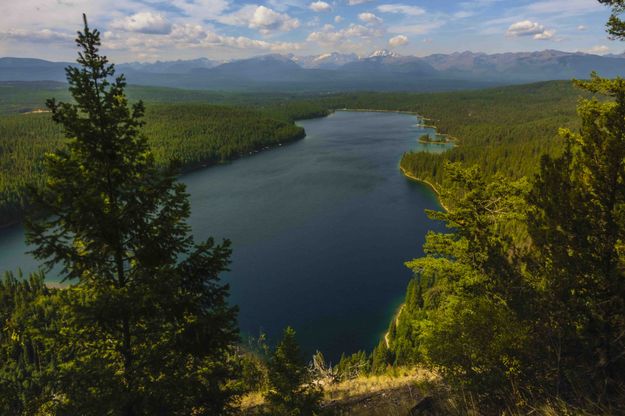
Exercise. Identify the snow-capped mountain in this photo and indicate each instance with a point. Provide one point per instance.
(325, 61)
(384, 53)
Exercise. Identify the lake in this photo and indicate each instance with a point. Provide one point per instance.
(320, 229)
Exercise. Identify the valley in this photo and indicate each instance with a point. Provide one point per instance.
(312, 208)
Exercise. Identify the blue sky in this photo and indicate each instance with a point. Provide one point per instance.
(147, 30)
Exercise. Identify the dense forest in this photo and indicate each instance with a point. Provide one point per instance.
(504, 129)
(519, 308)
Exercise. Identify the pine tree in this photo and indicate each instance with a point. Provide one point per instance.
(578, 228)
(615, 25)
(292, 392)
(27, 314)
(146, 328)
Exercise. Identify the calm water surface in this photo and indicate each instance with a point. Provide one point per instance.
(320, 230)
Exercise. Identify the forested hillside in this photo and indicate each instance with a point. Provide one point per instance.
(187, 134)
(503, 129)
(517, 307)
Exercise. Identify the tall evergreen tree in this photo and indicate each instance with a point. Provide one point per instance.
(615, 25)
(578, 229)
(473, 322)
(27, 363)
(292, 391)
(146, 328)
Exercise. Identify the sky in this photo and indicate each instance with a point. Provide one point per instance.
(149, 30)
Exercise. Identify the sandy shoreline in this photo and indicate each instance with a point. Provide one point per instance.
(428, 183)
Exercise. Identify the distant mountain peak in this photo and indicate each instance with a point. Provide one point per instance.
(325, 56)
(384, 53)
(331, 60)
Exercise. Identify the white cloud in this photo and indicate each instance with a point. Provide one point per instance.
(144, 22)
(546, 35)
(191, 36)
(397, 41)
(369, 18)
(338, 19)
(599, 50)
(357, 2)
(265, 19)
(529, 28)
(37, 14)
(242, 42)
(351, 33)
(401, 9)
(261, 18)
(581, 28)
(320, 6)
(188, 33)
(44, 35)
(314, 22)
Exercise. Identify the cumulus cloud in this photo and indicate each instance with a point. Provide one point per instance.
(320, 6)
(353, 32)
(338, 19)
(192, 36)
(144, 22)
(401, 9)
(397, 41)
(546, 35)
(262, 19)
(599, 50)
(44, 35)
(369, 18)
(133, 29)
(529, 28)
(242, 42)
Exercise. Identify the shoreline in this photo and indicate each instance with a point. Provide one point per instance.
(394, 321)
(429, 185)
(397, 315)
(196, 166)
(449, 139)
(371, 110)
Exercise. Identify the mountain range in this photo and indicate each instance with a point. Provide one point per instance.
(381, 70)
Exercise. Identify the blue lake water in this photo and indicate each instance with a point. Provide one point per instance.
(320, 229)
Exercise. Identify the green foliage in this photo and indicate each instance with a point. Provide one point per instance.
(353, 366)
(381, 358)
(292, 392)
(190, 135)
(615, 25)
(253, 359)
(504, 130)
(467, 306)
(28, 315)
(145, 327)
(525, 296)
(577, 224)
